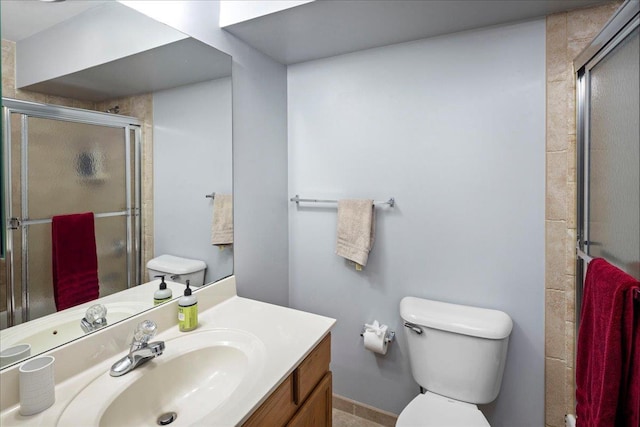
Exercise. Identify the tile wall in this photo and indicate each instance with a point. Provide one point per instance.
(567, 35)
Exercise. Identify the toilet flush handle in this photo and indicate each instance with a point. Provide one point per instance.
(415, 328)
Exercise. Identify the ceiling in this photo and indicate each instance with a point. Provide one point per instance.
(22, 18)
(326, 28)
(323, 28)
(152, 66)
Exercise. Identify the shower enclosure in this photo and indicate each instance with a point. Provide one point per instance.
(59, 161)
(608, 166)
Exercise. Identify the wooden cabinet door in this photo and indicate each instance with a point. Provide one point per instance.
(316, 411)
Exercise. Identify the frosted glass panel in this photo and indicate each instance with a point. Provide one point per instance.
(614, 176)
(40, 281)
(112, 262)
(75, 167)
(111, 243)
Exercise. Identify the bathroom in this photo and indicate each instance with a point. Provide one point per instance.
(481, 167)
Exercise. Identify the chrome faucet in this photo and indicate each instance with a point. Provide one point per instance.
(141, 350)
(95, 318)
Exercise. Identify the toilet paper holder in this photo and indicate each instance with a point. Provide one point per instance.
(389, 336)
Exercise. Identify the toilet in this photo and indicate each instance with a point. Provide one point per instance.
(177, 269)
(457, 354)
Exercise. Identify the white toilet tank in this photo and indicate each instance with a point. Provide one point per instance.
(177, 269)
(461, 350)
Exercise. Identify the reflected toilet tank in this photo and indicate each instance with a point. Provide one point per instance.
(177, 269)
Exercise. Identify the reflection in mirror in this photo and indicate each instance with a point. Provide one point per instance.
(110, 112)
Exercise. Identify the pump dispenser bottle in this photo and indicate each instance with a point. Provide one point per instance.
(163, 294)
(187, 311)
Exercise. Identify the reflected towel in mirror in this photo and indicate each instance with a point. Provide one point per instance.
(74, 259)
(222, 225)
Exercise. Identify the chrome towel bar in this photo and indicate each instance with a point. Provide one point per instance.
(391, 202)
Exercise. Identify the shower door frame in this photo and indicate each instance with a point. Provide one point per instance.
(621, 25)
(12, 224)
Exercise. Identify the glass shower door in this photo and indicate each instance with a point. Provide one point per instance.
(61, 167)
(613, 217)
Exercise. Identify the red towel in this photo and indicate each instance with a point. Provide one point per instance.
(608, 353)
(75, 261)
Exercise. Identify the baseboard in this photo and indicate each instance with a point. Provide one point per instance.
(367, 412)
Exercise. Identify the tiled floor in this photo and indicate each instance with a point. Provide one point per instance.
(345, 419)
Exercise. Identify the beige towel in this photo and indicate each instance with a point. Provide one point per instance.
(356, 230)
(222, 226)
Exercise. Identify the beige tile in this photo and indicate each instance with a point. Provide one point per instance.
(556, 48)
(557, 121)
(570, 266)
(575, 47)
(571, 108)
(375, 415)
(142, 107)
(59, 100)
(343, 404)
(8, 87)
(570, 391)
(572, 157)
(85, 105)
(556, 197)
(570, 334)
(587, 23)
(555, 254)
(570, 298)
(571, 205)
(555, 313)
(28, 95)
(555, 396)
(344, 419)
(8, 58)
(364, 412)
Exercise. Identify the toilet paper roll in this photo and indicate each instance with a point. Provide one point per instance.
(374, 342)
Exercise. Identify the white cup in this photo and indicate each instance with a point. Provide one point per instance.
(37, 385)
(14, 353)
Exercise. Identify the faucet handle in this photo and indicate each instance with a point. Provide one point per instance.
(97, 313)
(144, 332)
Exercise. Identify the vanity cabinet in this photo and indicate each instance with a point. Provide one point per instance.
(304, 398)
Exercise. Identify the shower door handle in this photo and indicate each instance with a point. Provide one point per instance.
(14, 223)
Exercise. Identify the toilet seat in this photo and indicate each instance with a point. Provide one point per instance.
(433, 410)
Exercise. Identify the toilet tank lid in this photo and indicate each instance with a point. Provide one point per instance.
(460, 319)
(176, 265)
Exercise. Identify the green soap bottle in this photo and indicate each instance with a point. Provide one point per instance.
(187, 311)
(163, 294)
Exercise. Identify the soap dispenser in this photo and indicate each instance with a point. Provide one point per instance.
(163, 294)
(187, 311)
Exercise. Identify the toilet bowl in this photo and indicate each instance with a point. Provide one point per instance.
(457, 354)
(432, 410)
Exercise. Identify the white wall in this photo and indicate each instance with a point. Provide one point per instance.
(454, 129)
(191, 158)
(259, 149)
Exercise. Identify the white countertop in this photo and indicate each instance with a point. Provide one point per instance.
(47, 332)
(287, 335)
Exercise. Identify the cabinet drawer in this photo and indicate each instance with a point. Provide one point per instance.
(277, 409)
(311, 370)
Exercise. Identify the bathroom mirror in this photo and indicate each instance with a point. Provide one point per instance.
(104, 56)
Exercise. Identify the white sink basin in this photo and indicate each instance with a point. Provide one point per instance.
(201, 374)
